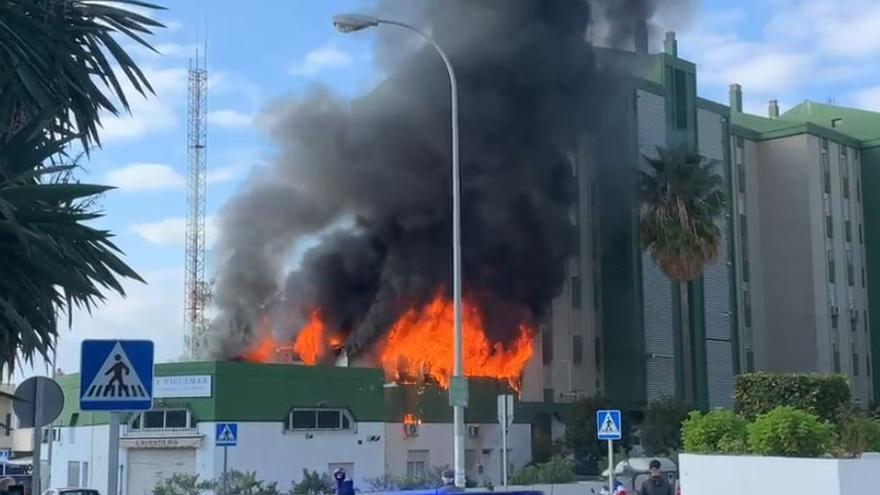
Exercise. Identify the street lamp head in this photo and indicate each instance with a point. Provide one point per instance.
(349, 23)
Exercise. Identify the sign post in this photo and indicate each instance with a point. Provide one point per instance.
(608, 428)
(38, 401)
(226, 435)
(116, 376)
(505, 419)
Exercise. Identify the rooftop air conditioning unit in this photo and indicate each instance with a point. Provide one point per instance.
(473, 431)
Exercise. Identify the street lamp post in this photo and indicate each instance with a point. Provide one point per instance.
(349, 23)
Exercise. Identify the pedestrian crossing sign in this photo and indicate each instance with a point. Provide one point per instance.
(116, 375)
(226, 435)
(608, 425)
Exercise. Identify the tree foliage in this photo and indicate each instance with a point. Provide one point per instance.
(557, 469)
(682, 197)
(716, 432)
(826, 396)
(61, 58)
(57, 75)
(661, 428)
(790, 432)
(580, 428)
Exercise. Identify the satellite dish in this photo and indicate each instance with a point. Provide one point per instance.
(38, 402)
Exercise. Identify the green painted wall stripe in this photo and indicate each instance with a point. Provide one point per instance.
(871, 208)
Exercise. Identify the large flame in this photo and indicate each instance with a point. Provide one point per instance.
(421, 343)
(311, 344)
(418, 345)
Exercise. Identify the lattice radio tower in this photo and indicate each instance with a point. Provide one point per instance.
(195, 287)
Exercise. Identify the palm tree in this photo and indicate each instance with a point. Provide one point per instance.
(682, 198)
(55, 79)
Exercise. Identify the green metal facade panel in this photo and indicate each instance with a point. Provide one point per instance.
(267, 393)
(871, 208)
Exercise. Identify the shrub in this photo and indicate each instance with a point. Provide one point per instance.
(388, 482)
(789, 432)
(823, 395)
(580, 429)
(314, 483)
(556, 470)
(722, 432)
(182, 484)
(661, 429)
(859, 433)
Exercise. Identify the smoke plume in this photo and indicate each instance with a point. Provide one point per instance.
(367, 182)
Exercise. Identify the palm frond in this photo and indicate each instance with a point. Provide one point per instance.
(682, 197)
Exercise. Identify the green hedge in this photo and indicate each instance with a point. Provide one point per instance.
(823, 395)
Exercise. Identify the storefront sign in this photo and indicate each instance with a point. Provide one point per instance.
(171, 387)
(161, 443)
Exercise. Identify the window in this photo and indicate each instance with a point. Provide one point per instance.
(744, 239)
(855, 361)
(598, 351)
(547, 348)
(416, 463)
(831, 267)
(577, 349)
(548, 395)
(85, 474)
(73, 474)
(847, 230)
(868, 364)
(741, 176)
(162, 419)
(319, 419)
(681, 99)
(826, 173)
(836, 357)
(861, 235)
(750, 361)
(858, 191)
(7, 424)
(865, 320)
(850, 272)
(835, 316)
(747, 308)
(575, 292)
(740, 142)
(829, 226)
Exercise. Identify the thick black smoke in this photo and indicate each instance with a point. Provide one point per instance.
(378, 169)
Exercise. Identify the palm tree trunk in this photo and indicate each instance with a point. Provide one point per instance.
(686, 346)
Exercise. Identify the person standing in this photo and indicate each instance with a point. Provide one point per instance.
(657, 484)
(343, 486)
(448, 478)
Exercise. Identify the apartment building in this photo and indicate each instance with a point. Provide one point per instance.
(801, 237)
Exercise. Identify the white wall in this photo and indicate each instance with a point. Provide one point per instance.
(281, 456)
(438, 439)
(737, 475)
(82, 444)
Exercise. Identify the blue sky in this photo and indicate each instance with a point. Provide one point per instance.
(786, 49)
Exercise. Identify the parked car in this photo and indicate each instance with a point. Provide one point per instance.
(71, 491)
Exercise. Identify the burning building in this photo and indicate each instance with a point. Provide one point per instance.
(558, 302)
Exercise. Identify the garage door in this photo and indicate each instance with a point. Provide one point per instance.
(149, 467)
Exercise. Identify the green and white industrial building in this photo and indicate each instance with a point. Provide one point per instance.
(796, 288)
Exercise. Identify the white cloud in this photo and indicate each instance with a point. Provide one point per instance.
(868, 98)
(149, 114)
(171, 232)
(144, 177)
(230, 118)
(326, 57)
(151, 311)
(223, 174)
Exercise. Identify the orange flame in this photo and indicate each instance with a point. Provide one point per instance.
(311, 344)
(411, 419)
(420, 342)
